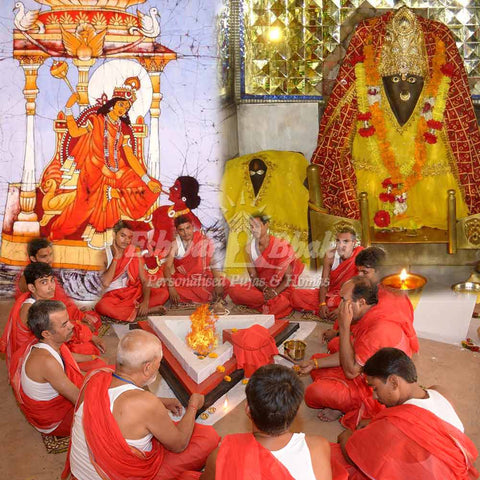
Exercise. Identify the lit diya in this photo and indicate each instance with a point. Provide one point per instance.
(407, 282)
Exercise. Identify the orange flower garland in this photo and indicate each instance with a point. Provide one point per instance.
(368, 87)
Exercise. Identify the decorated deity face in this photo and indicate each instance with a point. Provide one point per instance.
(121, 107)
(403, 92)
(257, 170)
(175, 192)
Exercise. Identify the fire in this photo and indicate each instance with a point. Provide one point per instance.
(202, 336)
(403, 275)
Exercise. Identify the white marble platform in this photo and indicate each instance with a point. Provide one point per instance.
(173, 330)
(442, 314)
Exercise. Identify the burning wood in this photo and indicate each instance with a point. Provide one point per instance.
(202, 337)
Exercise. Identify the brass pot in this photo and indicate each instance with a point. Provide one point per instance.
(295, 349)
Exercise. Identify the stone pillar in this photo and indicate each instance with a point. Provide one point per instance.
(27, 222)
(83, 67)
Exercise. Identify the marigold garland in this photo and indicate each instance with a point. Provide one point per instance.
(372, 122)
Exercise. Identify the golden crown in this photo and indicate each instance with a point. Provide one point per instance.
(128, 90)
(403, 50)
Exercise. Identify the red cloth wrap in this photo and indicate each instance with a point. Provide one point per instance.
(308, 299)
(345, 271)
(109, 452)
(271, 266)
(17, 337)
(410, 442)
(193, 278)
(114, 459)
(121, 303)
(253, 347)
(91, 204)
(337, 127)
(240, 457)
(46, 414)
(387, 324)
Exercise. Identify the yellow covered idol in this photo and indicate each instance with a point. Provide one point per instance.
(400, 126)
(271, 183)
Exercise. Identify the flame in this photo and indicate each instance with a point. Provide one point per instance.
(202, 336)
(403, 275)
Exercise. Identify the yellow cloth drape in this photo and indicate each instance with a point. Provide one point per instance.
(427, 199)
(282, 196)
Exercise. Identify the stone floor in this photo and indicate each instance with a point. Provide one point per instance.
(23, 455)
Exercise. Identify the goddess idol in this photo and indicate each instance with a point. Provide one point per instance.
(400, 126)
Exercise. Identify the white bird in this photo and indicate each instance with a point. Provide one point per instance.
(26, 20)
(149, 24)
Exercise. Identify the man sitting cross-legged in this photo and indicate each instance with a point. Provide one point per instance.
(122, 431)
(338, 267)
(273, 269)
(419, 435)
(191, 270)
(47, 378)
(40, 250)
(272, 451)
(365, 326)
(17, 337)
(127, 295)
(369, 263)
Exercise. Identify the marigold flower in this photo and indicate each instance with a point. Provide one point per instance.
(220, 369)
(213, 355)
(227, 378)
(245, 381)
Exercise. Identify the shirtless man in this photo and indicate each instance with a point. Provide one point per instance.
(124, 431)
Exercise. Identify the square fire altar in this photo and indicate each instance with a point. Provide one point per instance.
(187, 373)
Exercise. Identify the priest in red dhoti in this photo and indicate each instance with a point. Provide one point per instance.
(46, 377)
(369, 263)
(113, 182)
(273, 269)
(122, 431)
(419, 435)
(127, 295)
(365, 326)
(192, 270)
(271, 451)
(400, 125)
(17, 337)
(338, 267)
